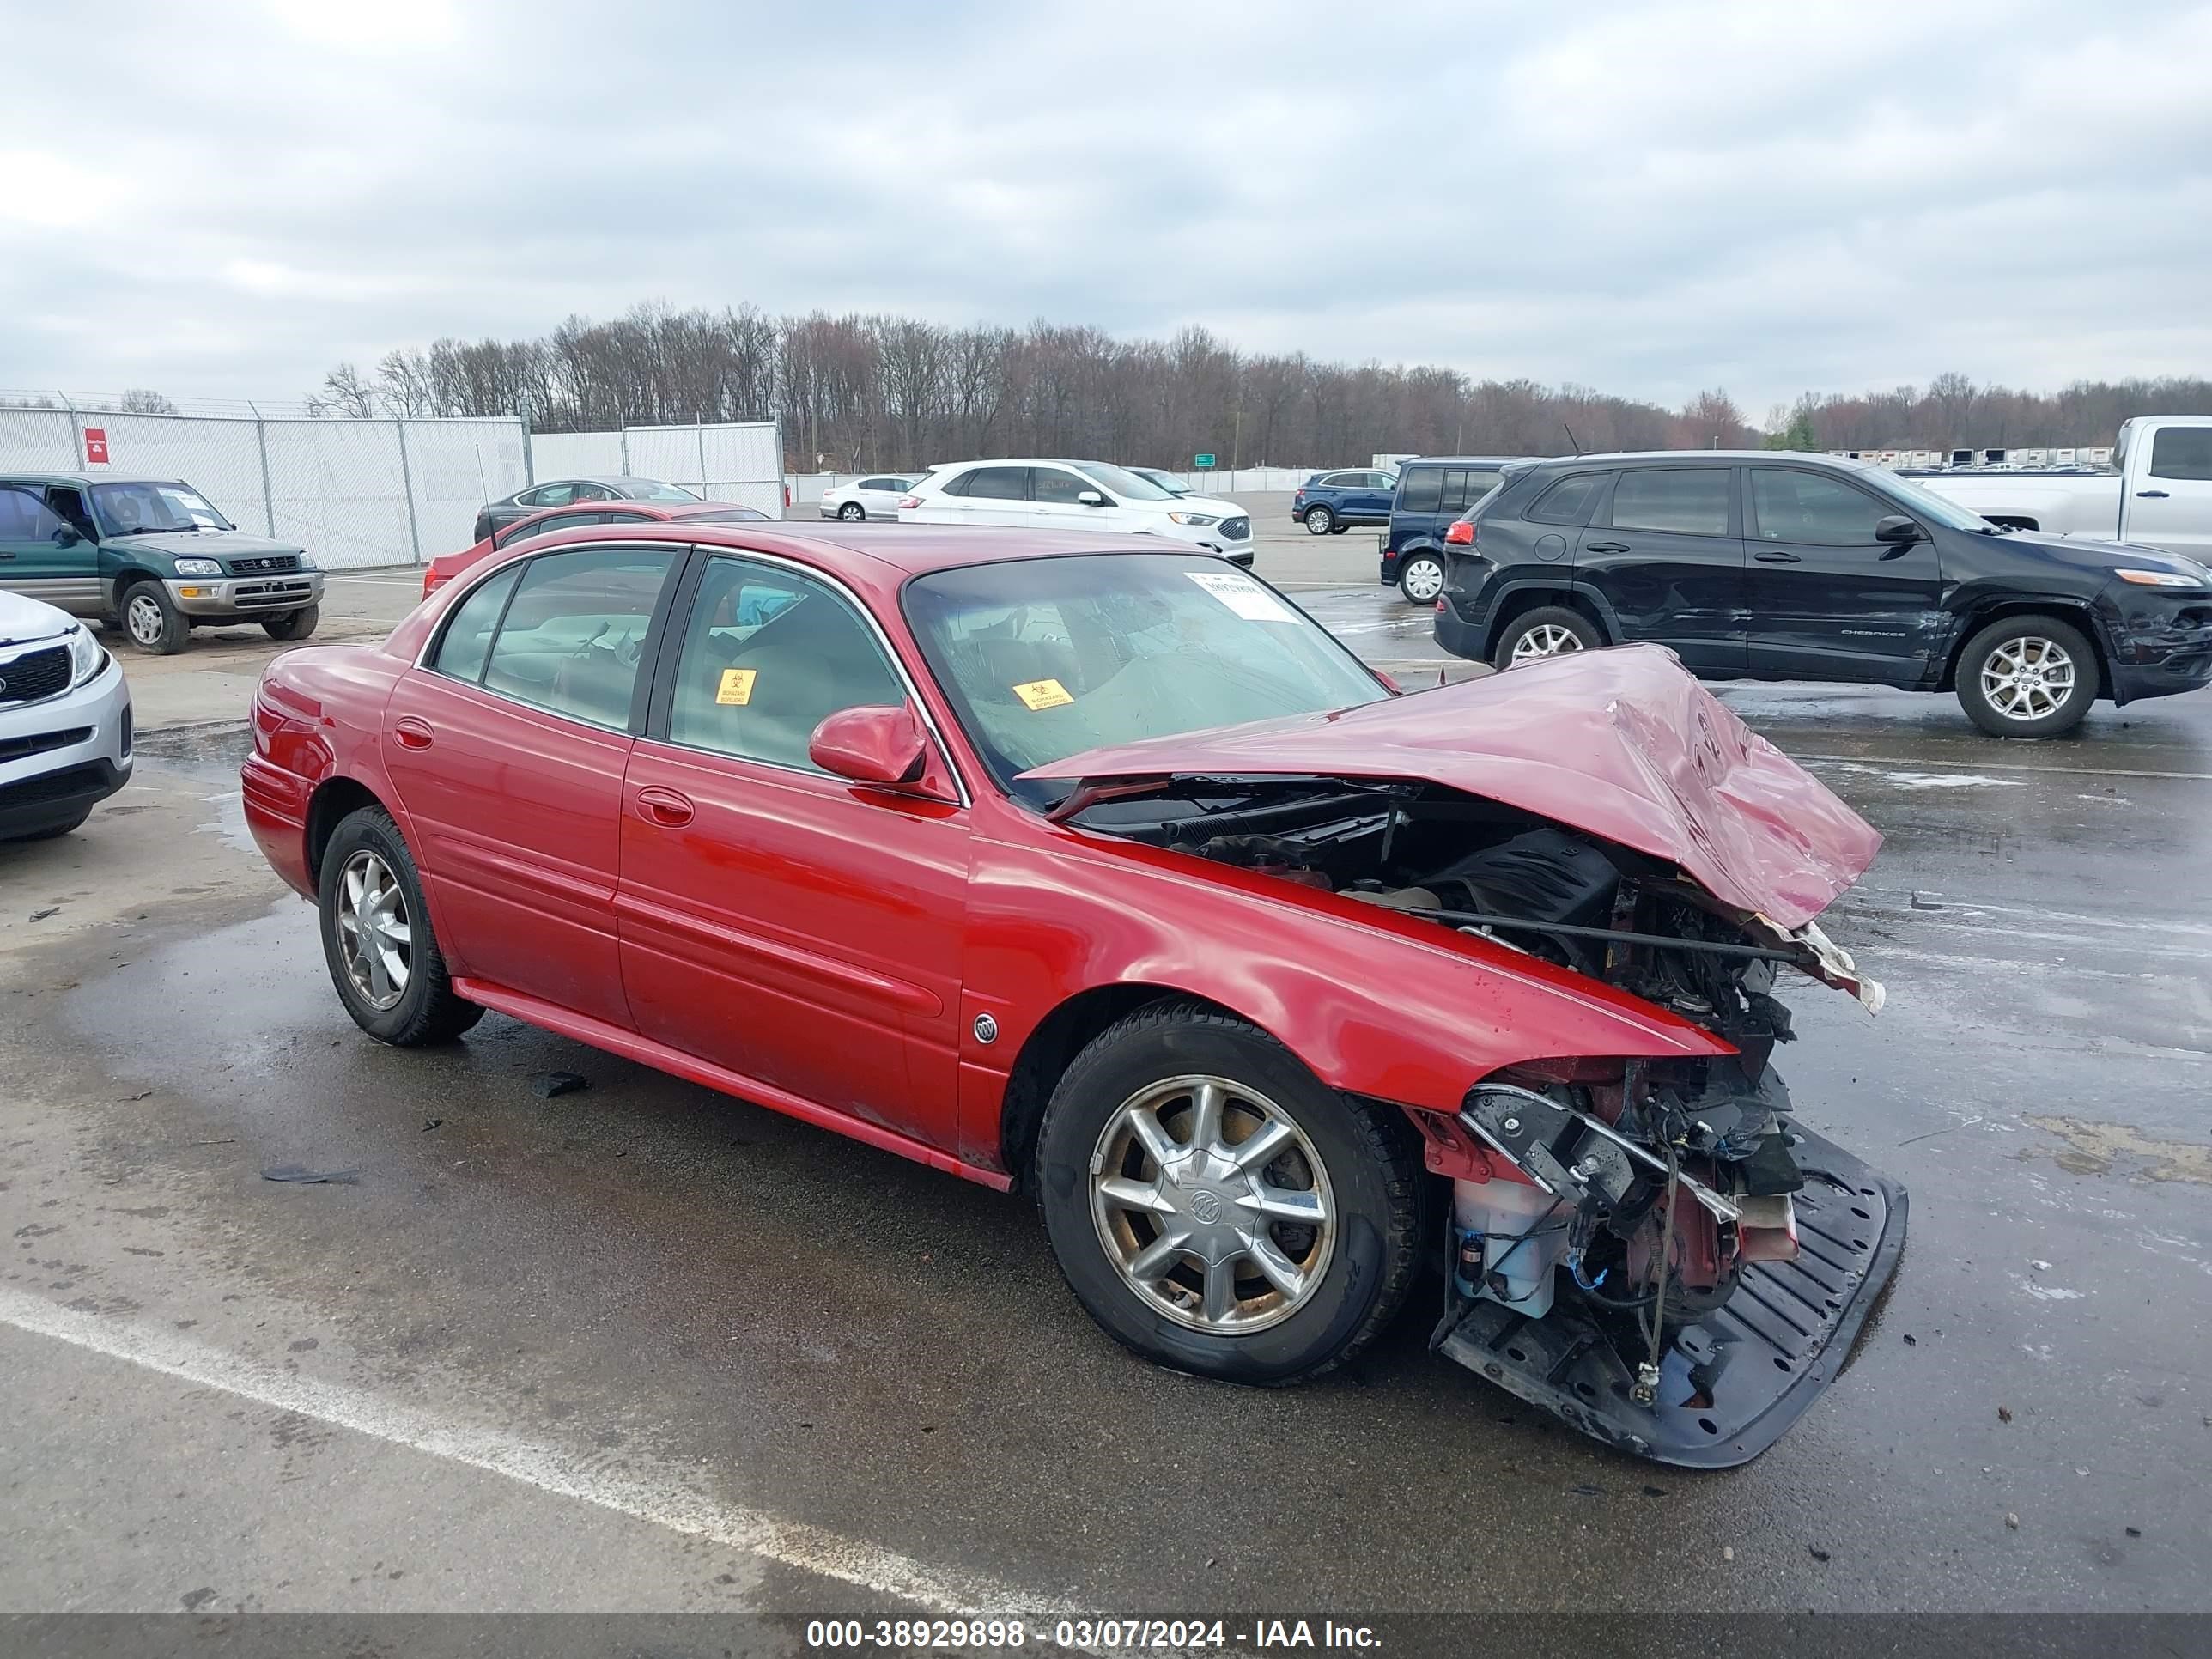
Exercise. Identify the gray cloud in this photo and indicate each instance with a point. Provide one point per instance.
(1647, 197)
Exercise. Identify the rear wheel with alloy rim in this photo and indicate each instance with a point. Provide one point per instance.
(1319, 520)
(1421, 577)
(2027, 676)
(1551, 631)
(851, 512)
(377, 938)
(1219, 1209)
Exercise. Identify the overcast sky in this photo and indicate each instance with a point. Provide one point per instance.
(225, 198)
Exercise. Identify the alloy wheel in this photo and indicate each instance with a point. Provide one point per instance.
(375, 936)
(1213, 1204)
(1545, 640)
(2028, 678)
(852, 510)
(142, 617)
(1317, 521)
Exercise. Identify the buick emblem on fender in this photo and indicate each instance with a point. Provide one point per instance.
(987, 1029)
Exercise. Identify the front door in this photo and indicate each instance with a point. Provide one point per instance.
(44, 556)
(1829, 602)
(1666, 555)
(507, 747)
(2169, 503)
(786, 925)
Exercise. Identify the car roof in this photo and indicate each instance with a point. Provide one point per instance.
(1706, 458)
(23, 474)
(1452, 460)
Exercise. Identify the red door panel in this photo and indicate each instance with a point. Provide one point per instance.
(514, 812)
(798, 929)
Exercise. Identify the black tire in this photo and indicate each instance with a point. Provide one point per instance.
(293, 625)
(2054, 637)
(151, 621)
(1544, 618)
(852, 512)
(1320, 521)
(428, 1010)
(1338, 529)
(52, 831)
(1367, 1151)
(1406, 585)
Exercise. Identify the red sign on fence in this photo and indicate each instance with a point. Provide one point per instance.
(95, 446)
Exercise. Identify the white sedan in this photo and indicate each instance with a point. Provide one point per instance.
(1055, 494)
(873, 497)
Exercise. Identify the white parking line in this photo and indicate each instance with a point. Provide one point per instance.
(669, 1500)
(1914, 762)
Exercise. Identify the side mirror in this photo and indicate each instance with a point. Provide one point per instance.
(67, 536)
(1090, 498)
(877, 745)
(1898, 529)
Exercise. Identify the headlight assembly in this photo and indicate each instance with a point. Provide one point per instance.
(198, 568)
(1193, 517)
(87, 659)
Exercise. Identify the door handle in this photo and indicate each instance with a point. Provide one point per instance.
(1774, 556)
(663, 807)
(2150, 495)
(413, 733)
(1606, 547)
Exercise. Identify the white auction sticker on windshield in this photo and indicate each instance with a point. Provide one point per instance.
(1242, 595)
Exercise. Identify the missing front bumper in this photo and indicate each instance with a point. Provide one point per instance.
(1731, 1382)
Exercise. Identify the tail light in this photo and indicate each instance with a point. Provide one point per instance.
(1462, 534)
(1295, 499)
(429, 581)
(910, 501)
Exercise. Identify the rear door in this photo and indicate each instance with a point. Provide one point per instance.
(1665, 554)
(999, 495)
(2169, 500)
(1827, 601)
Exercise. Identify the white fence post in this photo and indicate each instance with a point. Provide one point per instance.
(407, 488)
(268, 495)
(76, 429)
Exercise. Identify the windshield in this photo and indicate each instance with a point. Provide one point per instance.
(148, 509)
(1162, 479)
(1124, 483)
(649, 491)
(1045, 658)
(1927, 504)
(726, 515)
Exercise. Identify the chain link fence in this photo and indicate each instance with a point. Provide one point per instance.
(740, 461)
(355, 494)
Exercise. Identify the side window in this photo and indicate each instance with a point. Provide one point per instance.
(1419, 489)
(591, 492)
(574, 632)
(547, 495)
(2184, 452)
(1000, 483)
(68, 504)
(20, 513)
(1465, 486)
(1051, 484)
(466, 641)
(768, 655)
(959, 485)
(1804, 507)
(1683, 501)
(530, 530)
(1568, 501)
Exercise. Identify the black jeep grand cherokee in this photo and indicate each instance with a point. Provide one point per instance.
(1772, 566)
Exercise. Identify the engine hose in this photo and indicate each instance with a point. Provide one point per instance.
(1666, 1256)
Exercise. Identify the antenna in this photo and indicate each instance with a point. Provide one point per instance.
(1569, 431)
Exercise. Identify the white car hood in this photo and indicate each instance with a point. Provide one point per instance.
(23, 620)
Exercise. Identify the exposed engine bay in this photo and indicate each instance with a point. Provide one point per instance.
(1652, 1249)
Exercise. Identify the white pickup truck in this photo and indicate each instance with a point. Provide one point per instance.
(2159, 493)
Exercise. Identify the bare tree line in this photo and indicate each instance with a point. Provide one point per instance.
(861, 393)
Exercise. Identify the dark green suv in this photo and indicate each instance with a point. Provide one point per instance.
(149, 556)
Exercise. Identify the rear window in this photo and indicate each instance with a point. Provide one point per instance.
(1568, 501)
(1420, 488)
(2183, 451)
(1682, 501)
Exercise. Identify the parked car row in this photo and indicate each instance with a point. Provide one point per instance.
(1053, 493)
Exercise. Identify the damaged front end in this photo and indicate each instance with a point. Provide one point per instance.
(1653, 1250)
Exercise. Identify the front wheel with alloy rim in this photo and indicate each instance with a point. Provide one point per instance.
(1421, 577)
(152, 620)
(1550, 631)
(383, 956)
(2027, 676)
(1319, 520)
(1217, 1207)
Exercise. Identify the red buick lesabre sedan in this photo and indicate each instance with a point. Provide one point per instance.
(1083, 863)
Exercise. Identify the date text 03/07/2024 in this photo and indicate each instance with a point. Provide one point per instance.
(1089, 1635)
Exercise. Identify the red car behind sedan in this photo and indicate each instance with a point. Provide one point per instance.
(1086, 865)
(446, 565)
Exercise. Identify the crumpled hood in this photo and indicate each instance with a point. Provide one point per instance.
(22, 620)
(207, 545)
(1622, 744)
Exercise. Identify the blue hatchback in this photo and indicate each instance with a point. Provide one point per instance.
(1329, 503)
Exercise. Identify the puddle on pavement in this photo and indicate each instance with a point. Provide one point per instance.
(203, 760)
(2096, 1149)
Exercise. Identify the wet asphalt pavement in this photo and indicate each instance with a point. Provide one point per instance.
(645, 1346)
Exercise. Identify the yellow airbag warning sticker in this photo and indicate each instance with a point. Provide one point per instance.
(737, 685)
(1043, 694)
